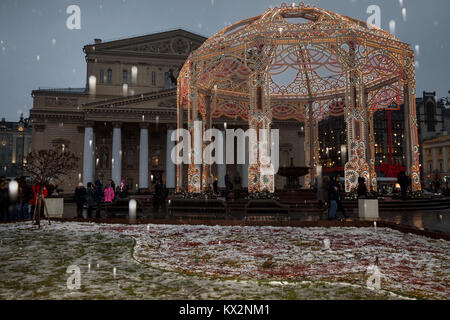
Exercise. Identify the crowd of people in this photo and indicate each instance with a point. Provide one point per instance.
(94, 196)
(20, 206)
(438, 186)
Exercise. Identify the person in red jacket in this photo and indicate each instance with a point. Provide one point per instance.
(33, 202)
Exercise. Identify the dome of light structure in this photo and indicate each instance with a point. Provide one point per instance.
(305, 63)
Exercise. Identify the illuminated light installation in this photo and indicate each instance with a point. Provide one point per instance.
(274, 66)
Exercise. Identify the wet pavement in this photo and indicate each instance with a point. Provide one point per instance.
(436, 221)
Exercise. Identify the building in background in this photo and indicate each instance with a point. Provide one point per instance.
(436, 160)
(15, 145)
(447, 119)
(117, 124)
(120, 123)
(389, 127)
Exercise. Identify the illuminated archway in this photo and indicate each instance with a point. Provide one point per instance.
(304, 63)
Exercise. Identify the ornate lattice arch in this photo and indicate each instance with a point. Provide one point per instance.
(304, 63)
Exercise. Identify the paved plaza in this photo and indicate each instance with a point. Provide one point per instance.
(207, 262)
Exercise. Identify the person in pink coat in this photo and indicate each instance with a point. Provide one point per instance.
(109, 194)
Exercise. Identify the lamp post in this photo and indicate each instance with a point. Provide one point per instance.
(20, 129)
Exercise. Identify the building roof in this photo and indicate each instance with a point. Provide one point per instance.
(8, 126)
(162, 34)
(440, 139)
(60, 90)
(117, 46)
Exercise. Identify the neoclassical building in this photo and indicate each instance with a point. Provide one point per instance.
(120, 122)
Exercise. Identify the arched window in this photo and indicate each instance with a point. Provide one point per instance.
(109, 76)
(125, 77)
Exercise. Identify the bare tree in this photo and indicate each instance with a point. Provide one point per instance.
(47, 166)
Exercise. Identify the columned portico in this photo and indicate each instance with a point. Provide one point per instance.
(88, 154)
(116, 173)
(143, 157)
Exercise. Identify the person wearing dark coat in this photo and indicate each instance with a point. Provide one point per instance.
(80, 199)
(340, 206)
(98, 197)
(90, 198)
(113, 185)
(362, 188)
(402, 180)
(333, 198)
(25, 196)
(160, 196)
(216, 186)
(4, 200)
(228, 187)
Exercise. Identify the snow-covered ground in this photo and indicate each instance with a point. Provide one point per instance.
(202, 262)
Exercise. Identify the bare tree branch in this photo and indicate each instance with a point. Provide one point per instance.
(45, 166)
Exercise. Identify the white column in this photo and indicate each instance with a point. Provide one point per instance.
(434, 159)
(222, 168)
(170, 166)
(88, 156)
(117, 155)
(245, 166)
(143, 159)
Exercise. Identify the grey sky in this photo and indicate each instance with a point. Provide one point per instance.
(27, 28)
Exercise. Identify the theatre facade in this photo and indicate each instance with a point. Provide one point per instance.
(120, 122)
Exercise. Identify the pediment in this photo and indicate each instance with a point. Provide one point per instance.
(179, 42)
(175, 46)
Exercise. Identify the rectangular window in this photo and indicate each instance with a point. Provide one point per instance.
(102, 76)
(166, 80)
(430, 116)
(153, 78)
(125, 77)
(109, 76)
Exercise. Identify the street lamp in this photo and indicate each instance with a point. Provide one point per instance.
(20, 129)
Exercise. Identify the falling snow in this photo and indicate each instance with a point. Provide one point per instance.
(392, 27)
